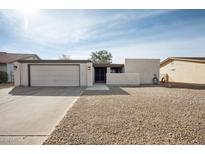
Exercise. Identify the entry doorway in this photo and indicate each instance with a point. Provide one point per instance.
(100, 74)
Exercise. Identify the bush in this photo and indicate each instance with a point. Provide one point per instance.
(3, 77)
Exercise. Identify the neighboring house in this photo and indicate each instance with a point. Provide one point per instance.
(84, 73)
(184, 69)
(7, 60)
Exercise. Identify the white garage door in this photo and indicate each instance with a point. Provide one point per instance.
(54, 75)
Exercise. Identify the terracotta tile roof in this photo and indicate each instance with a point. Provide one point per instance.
(12, 57)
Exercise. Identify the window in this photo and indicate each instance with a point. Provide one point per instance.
(115, 70)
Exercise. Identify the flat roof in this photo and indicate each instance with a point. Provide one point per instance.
(54, 61)
(108, 65)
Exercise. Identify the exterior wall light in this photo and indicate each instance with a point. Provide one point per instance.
(15, 67)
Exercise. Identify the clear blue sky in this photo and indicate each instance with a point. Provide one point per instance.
(125, 33)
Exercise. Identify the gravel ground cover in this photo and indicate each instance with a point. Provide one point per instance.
(143, 115)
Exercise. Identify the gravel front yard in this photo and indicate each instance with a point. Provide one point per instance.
(144, 115)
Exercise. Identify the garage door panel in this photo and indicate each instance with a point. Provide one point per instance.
(62, 67)
(59, 74)
(54, 75)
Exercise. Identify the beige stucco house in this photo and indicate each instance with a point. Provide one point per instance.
(84, 73)
(7, 60)
(183, 69)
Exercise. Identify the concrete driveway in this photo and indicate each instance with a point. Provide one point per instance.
(30, 114)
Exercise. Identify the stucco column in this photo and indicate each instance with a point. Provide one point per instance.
(89, 74)
(17, 74)
(108, 70)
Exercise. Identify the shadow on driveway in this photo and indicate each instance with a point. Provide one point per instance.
(46, 91)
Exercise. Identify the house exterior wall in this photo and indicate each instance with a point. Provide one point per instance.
(89, 74)
(17, 74)
(83, 75)
(145, 67)
(108, 69)
(21, 73)
(24, 74)
(93, 74)
(86, 74)
(186, 72)
(122, 79)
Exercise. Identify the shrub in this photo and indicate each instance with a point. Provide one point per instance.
(3, 77)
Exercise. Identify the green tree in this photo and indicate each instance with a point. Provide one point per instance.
(102, 56)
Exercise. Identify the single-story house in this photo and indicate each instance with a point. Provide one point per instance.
(7, 60)
(84, 73)
(183, 69)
